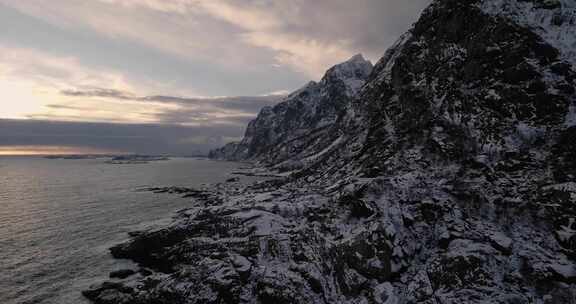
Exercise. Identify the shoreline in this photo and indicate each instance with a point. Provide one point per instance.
(292, 241)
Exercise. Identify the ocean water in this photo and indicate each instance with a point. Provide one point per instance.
(59, 217)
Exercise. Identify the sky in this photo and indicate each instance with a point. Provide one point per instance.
(169, 76)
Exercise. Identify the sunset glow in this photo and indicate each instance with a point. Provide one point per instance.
(19, 99)
(51, 150)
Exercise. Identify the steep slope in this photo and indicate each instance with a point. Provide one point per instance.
(472, 78)
(466, 127)
(449, 179)
(284, 131)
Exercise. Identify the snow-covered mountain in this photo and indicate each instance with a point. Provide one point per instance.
(288, 130)
(449, 178)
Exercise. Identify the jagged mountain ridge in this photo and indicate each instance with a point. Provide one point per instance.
(473, 108)
(308, 113)
(498, 87)
(448, 179)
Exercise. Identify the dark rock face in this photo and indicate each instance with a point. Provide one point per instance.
(450, 178)
(122, 274)
(546, 4)
(456, 92)
(565, 155)
(231, 151)
(110, 293)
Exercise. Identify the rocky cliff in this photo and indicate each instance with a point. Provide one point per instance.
(449, 178)
(289, 130)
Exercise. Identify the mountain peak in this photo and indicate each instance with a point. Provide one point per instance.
(352, 72)
(310, 109)
(357, 58)
(356, 62)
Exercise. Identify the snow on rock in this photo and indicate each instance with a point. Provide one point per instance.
(294, 127)
(385, 294)
(501, 242)
(553, 20)
(571, 116)
(352, 73)
(567, 233)
(242, 264)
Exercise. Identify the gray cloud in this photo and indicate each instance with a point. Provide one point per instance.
(235, 110)
(195, 126)
(99, 92)
(248, 104)
(370, 26)
(246, 37)
(137, 138)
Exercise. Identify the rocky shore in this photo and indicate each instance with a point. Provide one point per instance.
(135, 159)
(282, 241)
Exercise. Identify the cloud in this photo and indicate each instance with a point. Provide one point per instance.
(60, 72)
(31, 79)
(65, 73)
(99, 92)
(191, 35)
(54, 150)
(38, 85)
(303, 35)
(308, 36)
(307, 56)
(250, 104)
(177, 110)
(37, 135)
(245, 16)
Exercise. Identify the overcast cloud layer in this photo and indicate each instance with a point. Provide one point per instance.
(107, 63)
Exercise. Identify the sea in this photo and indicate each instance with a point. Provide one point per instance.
(58, 217)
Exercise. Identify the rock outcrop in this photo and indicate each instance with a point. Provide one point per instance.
(449, 178)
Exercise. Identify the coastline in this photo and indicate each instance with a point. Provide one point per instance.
(295, 240)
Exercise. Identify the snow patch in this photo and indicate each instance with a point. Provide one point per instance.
(571, 116)
(385, 294)
(556, 26)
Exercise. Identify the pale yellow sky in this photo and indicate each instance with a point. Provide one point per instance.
(19, 99)
(53, 150)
